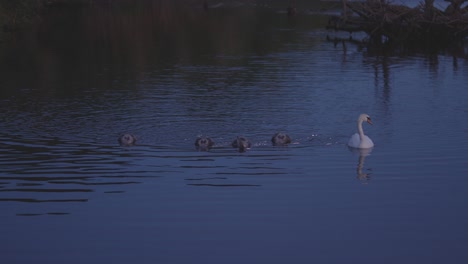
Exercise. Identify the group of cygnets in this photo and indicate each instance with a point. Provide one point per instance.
(241, 143)
(202, 143)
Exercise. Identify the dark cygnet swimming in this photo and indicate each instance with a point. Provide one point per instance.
(241, 143)
(280, 139)
(127, 140)
(204, 143)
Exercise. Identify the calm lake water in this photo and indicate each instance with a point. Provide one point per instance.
(70, 194)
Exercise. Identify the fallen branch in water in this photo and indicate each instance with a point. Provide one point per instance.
(386, 22)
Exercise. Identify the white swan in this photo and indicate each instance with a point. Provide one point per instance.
(359, 140)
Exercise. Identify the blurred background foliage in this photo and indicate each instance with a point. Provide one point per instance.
(15, 14)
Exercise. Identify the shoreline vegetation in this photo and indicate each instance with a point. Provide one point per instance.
(17, 14)
(387, 24)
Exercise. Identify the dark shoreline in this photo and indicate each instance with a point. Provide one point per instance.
(19, 14)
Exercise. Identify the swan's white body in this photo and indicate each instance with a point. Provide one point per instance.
(359, 140)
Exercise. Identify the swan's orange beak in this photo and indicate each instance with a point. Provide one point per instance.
(369, 121)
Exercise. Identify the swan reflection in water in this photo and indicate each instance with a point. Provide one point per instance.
(363, 153)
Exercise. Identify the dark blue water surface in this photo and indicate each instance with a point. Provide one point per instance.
(73, 83)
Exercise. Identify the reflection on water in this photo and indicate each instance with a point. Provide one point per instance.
(112, 45)
(363, 176)
(53, 171)
(84, 76)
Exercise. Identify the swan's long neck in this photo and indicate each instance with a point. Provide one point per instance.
(360, 130)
